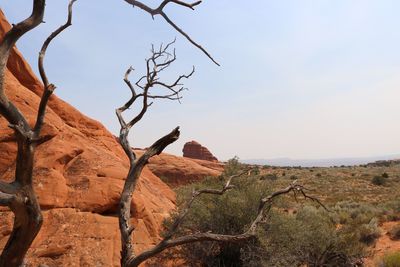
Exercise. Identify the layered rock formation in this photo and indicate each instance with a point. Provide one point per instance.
(176, 171)
(194, 150)
(79, 173)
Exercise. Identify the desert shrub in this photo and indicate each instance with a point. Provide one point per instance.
(270, 177)
(378, 180)
(392, 217)
(392, 210)
(293, 177)
(368, 233)
(318, 175)
(347, 212)
(255, 171)
(308, 238)
(390, 260)
(385, 175)
(232, 166)
(283, 173)
(394, 233)
(230, 213)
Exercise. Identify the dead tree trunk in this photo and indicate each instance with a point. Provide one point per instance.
(19, 195)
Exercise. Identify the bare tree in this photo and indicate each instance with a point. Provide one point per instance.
(19, 195)
(159, 61)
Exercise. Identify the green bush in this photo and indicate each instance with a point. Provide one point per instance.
(232, 166)
(390, 260)
(368, 233)
(230, 213)
(378, 180)
(255, 171)
(270, 177)
(308, 238)
(385, 175)
(394, 233)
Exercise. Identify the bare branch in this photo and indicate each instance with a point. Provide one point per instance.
(6, 199)
(191, 6)
(160, 11)
(177, 81)
(130, 101)
(7, 188)
(177, 28)
(48, 88)
(7, 109)
(159, 146)
(196, 193)
(159, 61)
(126, 80)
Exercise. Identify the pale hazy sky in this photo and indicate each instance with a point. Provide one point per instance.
(299, 78)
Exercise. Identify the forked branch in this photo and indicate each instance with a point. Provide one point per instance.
(160, 11)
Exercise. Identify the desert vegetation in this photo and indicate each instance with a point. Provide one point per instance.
(295, 233)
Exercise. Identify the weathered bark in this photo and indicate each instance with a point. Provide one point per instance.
(19, 195)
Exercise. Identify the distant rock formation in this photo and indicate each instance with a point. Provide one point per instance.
(194, 150)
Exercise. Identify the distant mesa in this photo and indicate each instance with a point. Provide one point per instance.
(194, 150)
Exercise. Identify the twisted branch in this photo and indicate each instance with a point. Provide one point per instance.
(48, 88)
(8, 109)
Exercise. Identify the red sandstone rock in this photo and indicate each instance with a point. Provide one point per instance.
(176, 171)
(194, 150)
(79, 171)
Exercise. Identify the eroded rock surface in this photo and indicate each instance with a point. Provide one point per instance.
(176, 171)
(194, 150)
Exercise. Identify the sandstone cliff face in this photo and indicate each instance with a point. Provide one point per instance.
(194, 150)
(79, 173)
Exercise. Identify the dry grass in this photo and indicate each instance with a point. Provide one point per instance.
(338, 184)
